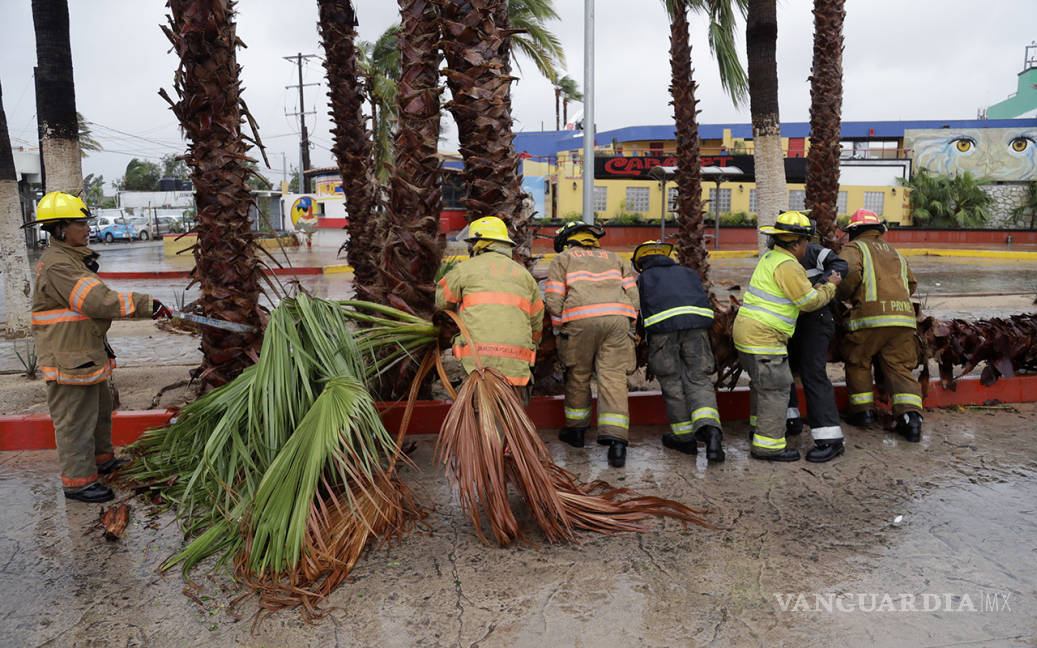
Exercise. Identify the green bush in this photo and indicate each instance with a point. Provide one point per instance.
(947, 201)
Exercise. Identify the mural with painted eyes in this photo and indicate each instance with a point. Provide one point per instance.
(995, 153)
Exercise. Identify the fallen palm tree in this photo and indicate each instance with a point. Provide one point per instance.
(1004, 345)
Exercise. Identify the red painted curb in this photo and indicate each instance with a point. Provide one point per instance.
(183, 274)
(35, 431)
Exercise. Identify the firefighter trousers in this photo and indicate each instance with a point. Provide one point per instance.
(682, 361)
(82, 417)
(808, 358)
(896, 351)
(769, 382)
(602, 346)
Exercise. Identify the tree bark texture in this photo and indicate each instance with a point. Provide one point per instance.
(691, 248)
(473, 41)
(411, 246)
(761, 36)
(14, 261)
(826, 101)
(210, 111)
(352, 147)
(56, 99)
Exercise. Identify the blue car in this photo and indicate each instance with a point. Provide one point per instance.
(111, 229)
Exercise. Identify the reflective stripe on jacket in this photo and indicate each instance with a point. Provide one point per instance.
(777, 293)
(672, 297)
(879, 284)
(72, 310)
(590, 282)
(499, 302)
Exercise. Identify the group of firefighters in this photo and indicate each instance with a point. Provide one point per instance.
(597, 306)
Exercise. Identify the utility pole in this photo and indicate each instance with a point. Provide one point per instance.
(304, 143)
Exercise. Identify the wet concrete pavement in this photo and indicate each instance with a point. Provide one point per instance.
(826, 532)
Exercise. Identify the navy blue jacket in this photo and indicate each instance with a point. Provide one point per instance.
(820, 262)
(672, 297)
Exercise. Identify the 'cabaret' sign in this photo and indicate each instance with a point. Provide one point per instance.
(637, 168)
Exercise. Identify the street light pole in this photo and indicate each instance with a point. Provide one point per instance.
(588, 111)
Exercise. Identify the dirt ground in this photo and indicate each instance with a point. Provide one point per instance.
(944, 529)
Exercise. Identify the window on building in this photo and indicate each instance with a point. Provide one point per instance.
(840, 205)
(656, 148)
(671, 200)
(637, 199)
(723, 203)
(797, 200)
(601, 199)
(875, 201)
(752, 201)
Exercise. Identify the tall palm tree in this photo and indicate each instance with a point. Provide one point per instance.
(534, 41)
(566, 89)
(691, 247)
(474, 45)
(352, 147)
(826, 101)
(761, 37)
(379, 62)
(56, 98)
(411, 246)
(210, 110)
(14, 263)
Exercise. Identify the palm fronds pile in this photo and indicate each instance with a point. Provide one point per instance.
(287, 471)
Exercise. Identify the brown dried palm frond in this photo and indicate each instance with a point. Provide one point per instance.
(488, 442)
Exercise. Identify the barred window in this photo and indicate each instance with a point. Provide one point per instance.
(797, 200)
(671, 203)
(601, 199)
(752, 201)
(875, 201)
(723, 203)
(637, 199)
(840, 207)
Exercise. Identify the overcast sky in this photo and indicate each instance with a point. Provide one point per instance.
(904, 59)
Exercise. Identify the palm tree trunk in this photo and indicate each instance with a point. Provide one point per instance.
(476, 75)
(761, 36)
(691, 248)
(352, 147)
(210, 111)
(558, 95)
(826, 100)
(56, 99)
(412, 247)
(14, 262)
(565, 110)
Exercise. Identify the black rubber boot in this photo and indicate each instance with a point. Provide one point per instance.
(862, 419)
(825, 451)
(92, 494)
(793, 426)
(685, 443)
(618, 454)
(572, 436)
(112, 464)
(909, 426)
(713, 437)
(788, 454)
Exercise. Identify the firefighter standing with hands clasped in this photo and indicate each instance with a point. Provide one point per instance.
(592, 297)
(677, 316)
(881, 323)
(71, 313)
(778, 291)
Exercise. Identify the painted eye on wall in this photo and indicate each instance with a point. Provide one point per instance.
(964, 144)
(1020, 144)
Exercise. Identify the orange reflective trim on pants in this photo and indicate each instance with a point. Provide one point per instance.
(597, 310)
(78, 482)
(497, 351)
(53, 373)
(101, 458)
(80, 292)
(501, 299)
(56, 316)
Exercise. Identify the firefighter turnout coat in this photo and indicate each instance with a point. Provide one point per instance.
(499, 302)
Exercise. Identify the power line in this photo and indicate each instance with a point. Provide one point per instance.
(304, 147)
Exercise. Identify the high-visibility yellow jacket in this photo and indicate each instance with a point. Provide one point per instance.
(778, 291)
(71, 313)
(499, 302)
(590, 282)
(879, 285)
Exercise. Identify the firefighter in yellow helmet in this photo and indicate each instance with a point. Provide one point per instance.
(71, 313)
(499, 302)
(778, 291)
(591, 294)
(881, 323)
(677, 316)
